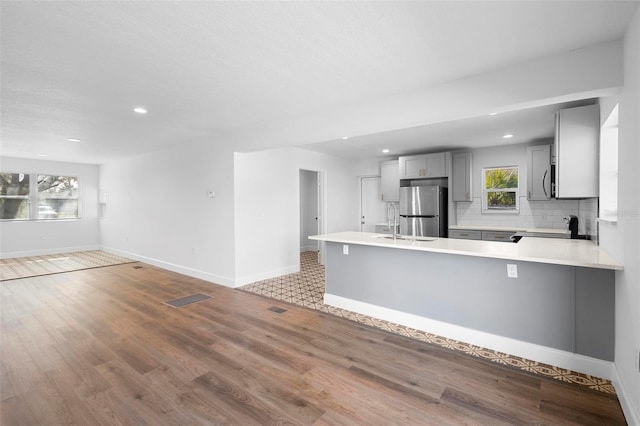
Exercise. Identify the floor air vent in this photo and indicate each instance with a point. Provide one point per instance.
(187, 300)
(277, 310)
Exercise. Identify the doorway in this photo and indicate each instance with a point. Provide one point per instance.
(372, 209)
(311, 211)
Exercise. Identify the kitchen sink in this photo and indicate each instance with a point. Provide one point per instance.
(405, 238)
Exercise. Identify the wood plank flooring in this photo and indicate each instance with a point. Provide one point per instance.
(100, 347)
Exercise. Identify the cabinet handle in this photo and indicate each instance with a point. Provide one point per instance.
(544, 177)
(463, 235)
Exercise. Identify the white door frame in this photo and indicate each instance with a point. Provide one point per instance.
(322, 208)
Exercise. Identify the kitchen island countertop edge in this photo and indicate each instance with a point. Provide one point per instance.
(581, 253)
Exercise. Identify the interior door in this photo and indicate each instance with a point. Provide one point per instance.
(372, 209)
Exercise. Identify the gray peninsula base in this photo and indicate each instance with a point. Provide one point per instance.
(564, 307)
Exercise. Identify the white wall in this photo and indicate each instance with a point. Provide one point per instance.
(158, 210)
(582, 73)
(268, 201)
(622, 240)
(37, 237)
(308, 209)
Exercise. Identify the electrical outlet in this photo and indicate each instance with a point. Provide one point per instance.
(512, 270)
(345, 249)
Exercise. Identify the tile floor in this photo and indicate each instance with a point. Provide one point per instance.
(306, 288)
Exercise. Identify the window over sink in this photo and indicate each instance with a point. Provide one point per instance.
(500, 190)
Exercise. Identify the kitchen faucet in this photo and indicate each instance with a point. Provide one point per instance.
(393, 207)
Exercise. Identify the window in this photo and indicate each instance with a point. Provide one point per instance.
(26, 196)
(500, 190)
(57, 197)
(14, 196)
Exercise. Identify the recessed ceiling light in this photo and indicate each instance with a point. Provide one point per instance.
(43, 155)
(493, 113)
(385, 151)
(73, 140)
(508, 135)
(140, 110)
(345, 137)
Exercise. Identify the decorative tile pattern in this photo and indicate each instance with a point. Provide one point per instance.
(306, 288)
(24, 267)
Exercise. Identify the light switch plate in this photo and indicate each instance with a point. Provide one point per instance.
(345, 249)
(512, 270)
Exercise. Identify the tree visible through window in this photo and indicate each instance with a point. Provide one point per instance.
(500, 190)
(26, 196)
(57, 197)
(14, 196)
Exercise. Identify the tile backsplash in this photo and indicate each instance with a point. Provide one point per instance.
(533, 214)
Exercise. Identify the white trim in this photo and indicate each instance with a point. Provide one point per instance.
(44, 252)
(631, 414)
(322, 206)
(213, 278)
(611, 219)
(292, 269)
(532, 351)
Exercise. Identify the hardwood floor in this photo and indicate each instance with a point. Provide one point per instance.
(100, 347)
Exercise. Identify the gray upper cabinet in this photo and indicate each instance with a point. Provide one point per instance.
(539, 172)
(390, 181)
(576, 152)
(423, 166)
(461, 177)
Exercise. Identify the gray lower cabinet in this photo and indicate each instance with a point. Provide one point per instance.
(465, 235)
(497, 236)
(476, 234)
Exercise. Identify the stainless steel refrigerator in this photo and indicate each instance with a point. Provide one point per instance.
(423, 211)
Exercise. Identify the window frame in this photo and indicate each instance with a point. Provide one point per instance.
(33, 198)
(27, 197)
(486, 209)
(39, 199)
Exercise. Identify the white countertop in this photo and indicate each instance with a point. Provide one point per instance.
(510, 229)
(558, 251)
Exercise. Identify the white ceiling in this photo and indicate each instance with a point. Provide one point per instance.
(525, 126)
(77, 69)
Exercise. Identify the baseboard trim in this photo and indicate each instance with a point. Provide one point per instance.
(267, 275)
(631, 414)
(195, 273)
(531, 351)
(45, 252)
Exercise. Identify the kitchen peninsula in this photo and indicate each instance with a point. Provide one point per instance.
(553, 298)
